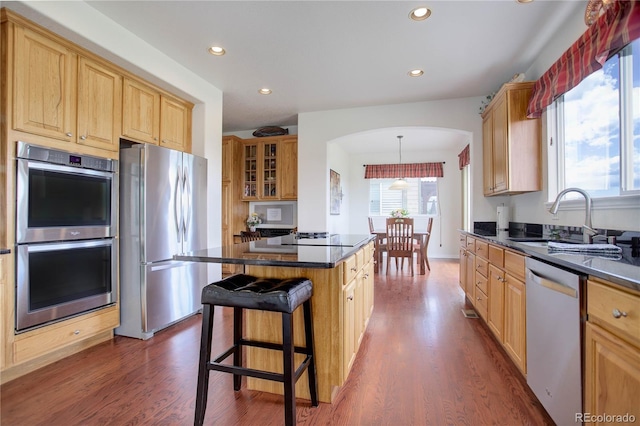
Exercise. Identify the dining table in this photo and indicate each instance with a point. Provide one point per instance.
(421, 236)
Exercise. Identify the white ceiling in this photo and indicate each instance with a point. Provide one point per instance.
(325, 55)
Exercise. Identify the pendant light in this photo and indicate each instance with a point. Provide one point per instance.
(400, 183)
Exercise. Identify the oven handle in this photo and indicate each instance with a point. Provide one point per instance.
(42, 247)
(552, 285)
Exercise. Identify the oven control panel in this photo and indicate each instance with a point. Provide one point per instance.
(54, 156)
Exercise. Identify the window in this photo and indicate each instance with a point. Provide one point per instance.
(421, 198)
(598, 131)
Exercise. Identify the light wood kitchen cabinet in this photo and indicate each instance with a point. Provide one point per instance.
(495, 312)
(99, 105)
(175, 123)
(44, 95)
(62, 95)
(234, 212)
(154, 117)
(467, 267)
(140, 112)
(340, 314)
(612, 350)
(515, 316)
(349, 318)
(269, 168)
(289, 161)
(499, 293)
(511, 143)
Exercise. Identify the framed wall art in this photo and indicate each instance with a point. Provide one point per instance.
(335, 192)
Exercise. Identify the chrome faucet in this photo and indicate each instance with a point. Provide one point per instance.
(587, 229)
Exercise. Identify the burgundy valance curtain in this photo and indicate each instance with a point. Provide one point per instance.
(463, 157)
(394, 171)
(617, 27)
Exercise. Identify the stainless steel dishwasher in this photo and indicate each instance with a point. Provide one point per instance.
(554, 325)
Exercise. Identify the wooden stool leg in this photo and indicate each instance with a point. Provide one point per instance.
(309, 342)
(288, 370)
(237, 353)
(205, 357)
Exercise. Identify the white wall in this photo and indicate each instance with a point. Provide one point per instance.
(88, 28)
(317, 154)
(444, 238)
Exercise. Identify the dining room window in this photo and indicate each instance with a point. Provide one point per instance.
(420, 198)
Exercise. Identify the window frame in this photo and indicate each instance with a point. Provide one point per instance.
(554, 119)
(405, 197)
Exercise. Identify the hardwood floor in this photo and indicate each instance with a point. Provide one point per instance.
(421, 363)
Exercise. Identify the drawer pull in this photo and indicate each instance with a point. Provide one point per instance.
(350, 298)
(353, 269)
(617, 313)
(76, 332)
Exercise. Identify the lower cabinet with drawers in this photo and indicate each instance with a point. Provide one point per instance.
(612, 353)
(492, 278)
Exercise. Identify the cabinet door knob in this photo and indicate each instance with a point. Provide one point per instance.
(83, 137)
(69, 134)
(76, 332)
(353, 269)
(617, 313)
(350, 298)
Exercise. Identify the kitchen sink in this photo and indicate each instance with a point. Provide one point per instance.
(539, 242)
(533, 243)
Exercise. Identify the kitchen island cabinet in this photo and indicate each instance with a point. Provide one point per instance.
(342, 303)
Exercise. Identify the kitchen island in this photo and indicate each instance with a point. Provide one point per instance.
(341, 269)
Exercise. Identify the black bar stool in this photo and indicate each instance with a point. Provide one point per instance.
(267, 294)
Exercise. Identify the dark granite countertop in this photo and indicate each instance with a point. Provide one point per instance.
(625, 272)
(285, 251)
(5, 250)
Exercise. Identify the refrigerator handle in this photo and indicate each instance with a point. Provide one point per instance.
(177, 206)
(186, 203)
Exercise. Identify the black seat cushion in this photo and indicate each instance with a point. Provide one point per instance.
(267, 294)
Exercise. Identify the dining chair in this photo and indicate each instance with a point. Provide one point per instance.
(400, 241)
(379, 244)
(423, 250)
(426, 243)
(246, 236)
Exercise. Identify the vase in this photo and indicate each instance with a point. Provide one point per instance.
(252, 228)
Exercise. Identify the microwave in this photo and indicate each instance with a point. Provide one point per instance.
(276, 214)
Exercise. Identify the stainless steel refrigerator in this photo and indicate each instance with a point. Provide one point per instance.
(163, 198)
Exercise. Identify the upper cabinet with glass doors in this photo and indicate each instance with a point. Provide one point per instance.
(270, 168)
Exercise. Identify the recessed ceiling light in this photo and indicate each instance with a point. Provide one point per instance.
(264, 91)
(217, 50)
(420, 13)
(416, 73)
(524, 1)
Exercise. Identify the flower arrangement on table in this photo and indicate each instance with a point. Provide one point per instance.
(253, 220)
(400, 213)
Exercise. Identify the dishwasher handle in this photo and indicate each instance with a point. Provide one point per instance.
(552, 285)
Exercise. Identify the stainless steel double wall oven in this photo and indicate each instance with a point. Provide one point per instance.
(66, 246)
